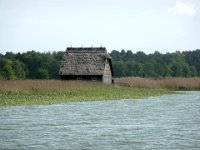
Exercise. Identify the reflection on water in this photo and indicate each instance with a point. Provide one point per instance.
(167, 122)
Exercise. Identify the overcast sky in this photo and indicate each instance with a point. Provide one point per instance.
(137, 25)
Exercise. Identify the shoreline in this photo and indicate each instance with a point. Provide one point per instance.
(36, 97)
(99, 92)
(45, 92)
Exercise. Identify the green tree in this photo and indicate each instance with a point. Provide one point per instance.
(119, 69)
(6, 70)
(129, 55)
(159, 70)
(115, 55)
(138, 69)
(148, 70)
(19, 69)
(123, 54)
(176, 70)
(193, 71)
(129, 68)
(42, 73)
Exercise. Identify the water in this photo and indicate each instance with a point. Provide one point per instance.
(167, 122)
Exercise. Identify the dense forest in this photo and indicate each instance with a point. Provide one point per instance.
(177, 64)
(36, 65)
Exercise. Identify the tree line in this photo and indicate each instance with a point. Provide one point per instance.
(177, 64)
(37, 65)
(30, 65)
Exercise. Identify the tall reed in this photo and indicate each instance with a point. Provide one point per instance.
(31, 92)
(168, 83)
(46, 85)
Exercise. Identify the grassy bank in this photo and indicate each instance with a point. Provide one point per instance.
(30, 92)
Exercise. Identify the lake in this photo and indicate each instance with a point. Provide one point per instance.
(170, 122)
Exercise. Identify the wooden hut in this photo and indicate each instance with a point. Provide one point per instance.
(88, 63)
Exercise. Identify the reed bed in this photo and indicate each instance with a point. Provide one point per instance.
(164, 83)
(31, 92)
(46, 85)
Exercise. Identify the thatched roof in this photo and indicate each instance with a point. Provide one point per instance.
(84, 61)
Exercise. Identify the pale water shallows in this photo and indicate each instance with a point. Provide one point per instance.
(167, 122)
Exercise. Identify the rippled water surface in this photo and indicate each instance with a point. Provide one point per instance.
(167, 122)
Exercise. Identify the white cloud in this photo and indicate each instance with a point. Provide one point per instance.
(183, 8)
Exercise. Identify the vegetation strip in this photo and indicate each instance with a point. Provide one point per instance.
(32, 97)
(31, 92)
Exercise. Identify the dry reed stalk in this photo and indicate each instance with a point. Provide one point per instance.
(58, 85)
(46, 85)
(181, 83)
(138, 82)
(171, 83)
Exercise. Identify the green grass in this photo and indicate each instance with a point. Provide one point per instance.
(42, 97)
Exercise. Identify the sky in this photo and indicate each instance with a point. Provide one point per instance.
(137, 25)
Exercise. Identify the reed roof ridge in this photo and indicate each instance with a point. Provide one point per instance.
(87, 49)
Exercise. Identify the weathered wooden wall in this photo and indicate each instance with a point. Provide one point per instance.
(107, 75)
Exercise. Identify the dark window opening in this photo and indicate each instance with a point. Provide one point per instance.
(94, 79)
(78, 78)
